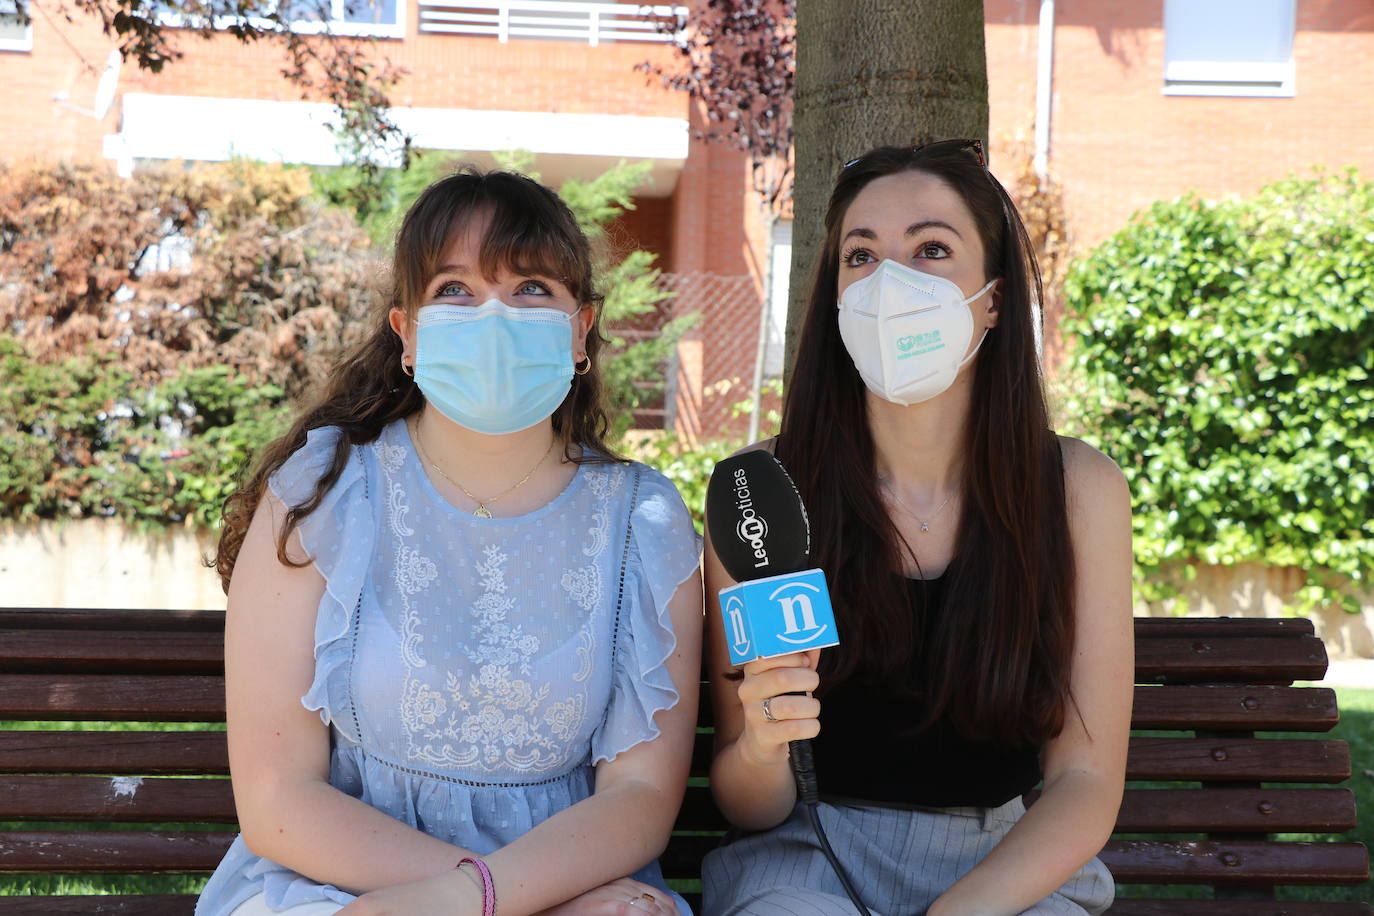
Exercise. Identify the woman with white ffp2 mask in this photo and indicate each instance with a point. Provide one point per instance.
(980, 571)
(908, 332)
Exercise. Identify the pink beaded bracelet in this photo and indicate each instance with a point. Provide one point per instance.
(488, 888)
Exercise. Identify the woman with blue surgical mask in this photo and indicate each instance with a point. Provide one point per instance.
(463, 634)
(979, 568)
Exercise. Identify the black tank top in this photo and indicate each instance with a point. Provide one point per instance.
(867, 752)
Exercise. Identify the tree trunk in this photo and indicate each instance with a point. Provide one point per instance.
(869, 73)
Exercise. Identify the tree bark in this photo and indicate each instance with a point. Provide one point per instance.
(869, 73)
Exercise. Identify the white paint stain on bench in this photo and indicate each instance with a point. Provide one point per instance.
(124, 786)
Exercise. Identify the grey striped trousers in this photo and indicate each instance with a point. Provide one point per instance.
(899, 860)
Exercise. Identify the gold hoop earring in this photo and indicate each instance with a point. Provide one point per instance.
(405, 368)
(583, 365)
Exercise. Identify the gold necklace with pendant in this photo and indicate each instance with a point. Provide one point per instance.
(482, 511)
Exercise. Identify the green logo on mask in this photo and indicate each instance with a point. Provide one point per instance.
(919, 343)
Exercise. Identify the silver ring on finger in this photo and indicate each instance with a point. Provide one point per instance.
(768, 710)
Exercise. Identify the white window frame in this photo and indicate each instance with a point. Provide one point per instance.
(779, 282)
(24, 44)
(334, 26)
(1252, 79)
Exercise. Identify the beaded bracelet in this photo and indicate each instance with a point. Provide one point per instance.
(488, 888)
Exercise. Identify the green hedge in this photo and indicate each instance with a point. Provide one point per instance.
(1221, 353)
(85, 437)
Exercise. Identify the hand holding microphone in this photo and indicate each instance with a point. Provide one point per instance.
(777, 619)
(778, 708)
(760, 532)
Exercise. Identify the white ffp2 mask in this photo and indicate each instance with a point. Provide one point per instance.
(907, 331)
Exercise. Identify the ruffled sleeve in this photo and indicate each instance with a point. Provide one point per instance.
(664, 551)
(338, 537)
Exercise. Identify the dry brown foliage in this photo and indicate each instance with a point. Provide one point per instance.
(179, 267)
(1040, 201)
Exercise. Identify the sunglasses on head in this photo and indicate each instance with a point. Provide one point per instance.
(973, 146)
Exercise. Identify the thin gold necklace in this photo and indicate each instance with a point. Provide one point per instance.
(482, 511)
(925, 523)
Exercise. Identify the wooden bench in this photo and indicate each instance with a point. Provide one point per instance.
(1209, 685)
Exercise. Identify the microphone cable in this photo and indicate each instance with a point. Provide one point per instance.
(804, 772)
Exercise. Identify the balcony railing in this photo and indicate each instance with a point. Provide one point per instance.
(593, 23)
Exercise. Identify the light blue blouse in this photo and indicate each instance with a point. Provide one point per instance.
(473, 671)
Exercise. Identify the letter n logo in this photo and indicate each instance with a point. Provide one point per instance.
(736, 631)
(798, 614)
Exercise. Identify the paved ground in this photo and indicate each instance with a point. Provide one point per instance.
(1357, 672)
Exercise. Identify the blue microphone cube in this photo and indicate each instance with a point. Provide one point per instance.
(778, 615)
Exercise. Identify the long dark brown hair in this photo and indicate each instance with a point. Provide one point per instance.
(530, 231)
(997, 667)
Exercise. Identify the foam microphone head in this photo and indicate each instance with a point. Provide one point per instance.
(756, 518)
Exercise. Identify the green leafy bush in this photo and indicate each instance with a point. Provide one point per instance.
(202, 301)
(688, 467)
(86, 437)
(1221, 353)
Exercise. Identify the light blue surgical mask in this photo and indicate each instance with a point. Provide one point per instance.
(494, 368)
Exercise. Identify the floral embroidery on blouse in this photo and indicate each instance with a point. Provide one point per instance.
(501, 717)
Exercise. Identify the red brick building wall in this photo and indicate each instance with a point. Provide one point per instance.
(1117, 143)
(695, 228)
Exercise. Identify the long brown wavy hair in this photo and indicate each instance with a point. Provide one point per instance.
(531, 230)
(998, 665)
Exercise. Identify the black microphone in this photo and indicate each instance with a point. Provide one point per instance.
(761, 535)
(758, 523)
(760, 531)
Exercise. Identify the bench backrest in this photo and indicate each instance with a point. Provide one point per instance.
(1207, 689)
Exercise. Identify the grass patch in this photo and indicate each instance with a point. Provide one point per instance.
(80, 885)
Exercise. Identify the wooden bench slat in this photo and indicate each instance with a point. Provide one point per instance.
(211, 620)
(143, 621)
(1230, 862)
(1194, 627)
(1237, 659)
(1163, 811)
(184, 905)
(1305, 709)
(1236, 810)
(134, 698)
(1205, 706)
(112, 651)
(112, 852)
(1235, 908)
(122, 798)
(139, 753)
(143, 905)
(1238, 759)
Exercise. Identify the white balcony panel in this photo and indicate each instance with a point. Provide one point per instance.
(569, 145)
(546, 132)
(205, 129)
(593, 23)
